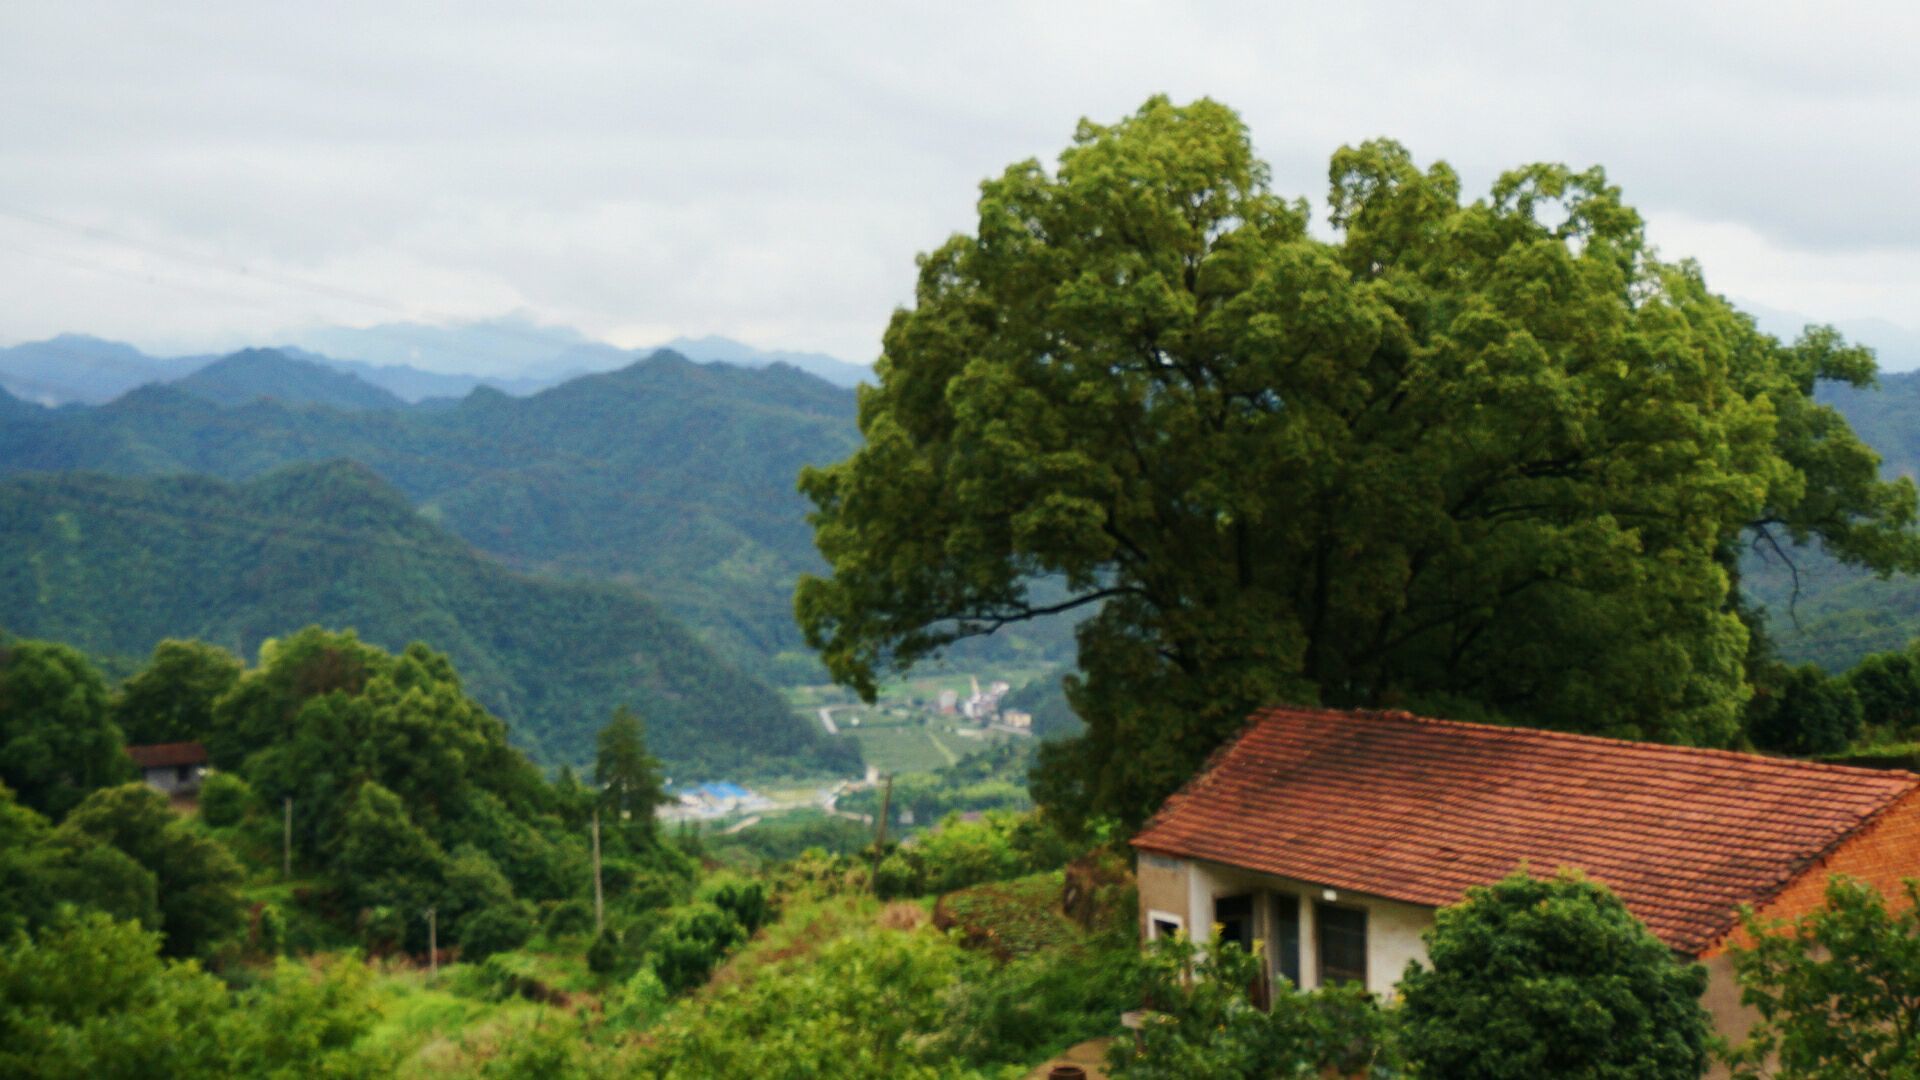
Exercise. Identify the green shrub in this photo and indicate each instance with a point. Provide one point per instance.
(270, 930)
(494, 930)
(1206, 1025)
(224, 799)
(745, 901)
(607, 956)
(1537, 977)
(692, 943)
(570, 918)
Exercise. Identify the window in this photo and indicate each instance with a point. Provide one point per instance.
(1341, 934)
(1234, 916)
(1286, 936)
(1160, 924)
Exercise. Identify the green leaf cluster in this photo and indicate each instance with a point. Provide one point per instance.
(1488, 458)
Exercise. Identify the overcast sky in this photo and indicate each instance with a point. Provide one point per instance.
(194, 176)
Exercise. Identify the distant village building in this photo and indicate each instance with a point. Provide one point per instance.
(983, 707)
(173, 768)
(716, 800)
(1334, 837)
(1014, 718)
(948, 700)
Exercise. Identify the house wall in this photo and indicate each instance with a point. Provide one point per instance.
(1881, 855)
(1188, 888)
(167, 779)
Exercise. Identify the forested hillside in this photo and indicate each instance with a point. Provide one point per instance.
(676, 476)
(113, 565)
(1819, 610)
(251, 374)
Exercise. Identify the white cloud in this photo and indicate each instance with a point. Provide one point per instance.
(769, 171)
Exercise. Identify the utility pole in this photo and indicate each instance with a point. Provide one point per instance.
(880, 830)
(433, 942)
(286, 840)
(599, 902)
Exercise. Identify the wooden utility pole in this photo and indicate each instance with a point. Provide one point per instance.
(433, 942)
(599, 901)
(286, 840)
(880, 830)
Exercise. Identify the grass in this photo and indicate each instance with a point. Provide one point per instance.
(900, 749)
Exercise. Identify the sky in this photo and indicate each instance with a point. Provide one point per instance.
(190, 177)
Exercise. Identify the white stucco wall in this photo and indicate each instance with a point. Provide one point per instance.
(1188, 888)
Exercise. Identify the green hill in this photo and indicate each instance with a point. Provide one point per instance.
(1823, 612)
(252, 374)
(113, 565)
(671, 475)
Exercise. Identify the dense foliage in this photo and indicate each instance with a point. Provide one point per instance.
(88, 997)
(331, 543)
(57, 739)
(1838, 990)
(1206, 1024)
(674, 475)
(1483, 458)
(1536, 977)
(994, 779)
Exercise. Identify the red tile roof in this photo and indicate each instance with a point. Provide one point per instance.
(1413, 809)
(167, 755)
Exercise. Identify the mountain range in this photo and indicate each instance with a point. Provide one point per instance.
(412, 361)
(668, 475)
(115, 564)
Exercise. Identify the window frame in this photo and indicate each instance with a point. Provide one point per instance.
(1156, 917)
(1283, 950)
(1320, 938)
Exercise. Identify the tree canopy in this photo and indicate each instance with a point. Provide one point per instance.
(56, 740)
(1837, 990)
(1534, 977)
(1490, 458)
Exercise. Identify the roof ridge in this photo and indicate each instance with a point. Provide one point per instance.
(1520, 731)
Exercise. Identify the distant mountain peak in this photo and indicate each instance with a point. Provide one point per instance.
(252, 374)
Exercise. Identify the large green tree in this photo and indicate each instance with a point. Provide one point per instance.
(629, 777)
(197, 879)
(1491, 458)
(56, 740)
(172, 698)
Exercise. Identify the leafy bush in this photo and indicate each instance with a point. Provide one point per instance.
(1207, 1025)
(693, 943)
(867, 1005)
(607, 955)
(224, 798)
(1551, 977)
(494, 930)
(1834, 989)
(570, 918)
(997, 847)
(1021, 1011)
(746, 902)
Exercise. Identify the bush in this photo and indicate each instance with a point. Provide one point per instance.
(224, 799)
(570, 918)
(270, 930)
(1834, 989)
(494, 930)
(688, 948)
(609, 956)
(746, 902)
(1551, 977)
(1208, 1026)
